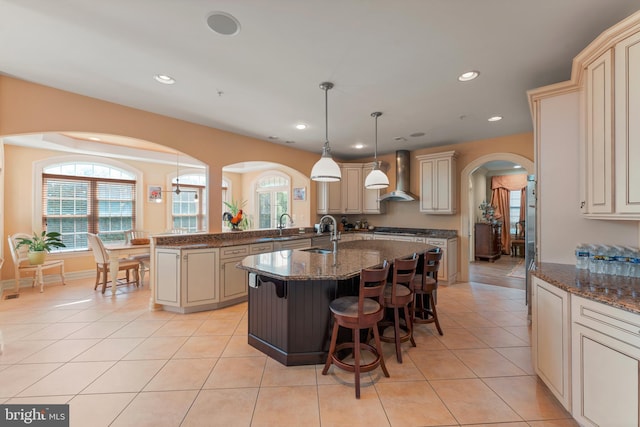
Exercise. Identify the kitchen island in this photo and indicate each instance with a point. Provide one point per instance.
(290, 292)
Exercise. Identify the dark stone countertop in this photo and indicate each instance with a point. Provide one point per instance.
(351, 258)
(616, 291)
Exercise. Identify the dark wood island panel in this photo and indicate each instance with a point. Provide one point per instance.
(290, 292)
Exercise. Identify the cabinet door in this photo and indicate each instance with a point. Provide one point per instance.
(551, 339)
(370, 198)
(438, 183)
(352, 188)
(599, 167)
(334, 197)
(200, 267)
(234, 280)
(605, 378)
(627, 125)
(167, 277)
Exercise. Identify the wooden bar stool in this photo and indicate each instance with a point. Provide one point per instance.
(359, 312)
(424, 287)
(398, 295)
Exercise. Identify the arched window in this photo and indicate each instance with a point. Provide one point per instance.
(80, 196)
(188, 207)
(273, 190)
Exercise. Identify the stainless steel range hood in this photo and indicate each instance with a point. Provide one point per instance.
(401, 193)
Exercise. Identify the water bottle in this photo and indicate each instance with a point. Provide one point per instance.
(596, 257)
(634, 270)
(622, 261)
(582, 256)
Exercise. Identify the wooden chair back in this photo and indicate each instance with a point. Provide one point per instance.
(404, 271)
(372, 283)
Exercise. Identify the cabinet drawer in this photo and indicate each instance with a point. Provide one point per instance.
(441, 243)
(612, 321)
(234, 251)
(260, 248)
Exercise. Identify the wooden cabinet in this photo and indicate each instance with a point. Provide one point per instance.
(233, 281)
(627, 126)
(438, 183)
(487, 241)
(370, 198)
(606, 354)
(352, 188)
(448, 270)
(598, 153)
(612, 131)
(348, 196)
(186, 280)
(551, 340)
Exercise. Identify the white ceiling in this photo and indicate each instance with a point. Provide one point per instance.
(399, 57)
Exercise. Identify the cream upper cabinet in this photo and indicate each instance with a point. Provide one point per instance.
(438, 183)
(627, 125)
(348, 196)
(599, 144)
(370, 198)
(612, 130)
(352, 188)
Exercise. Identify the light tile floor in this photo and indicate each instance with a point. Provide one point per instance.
(118, 364)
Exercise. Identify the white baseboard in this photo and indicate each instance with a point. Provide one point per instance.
(10, 284)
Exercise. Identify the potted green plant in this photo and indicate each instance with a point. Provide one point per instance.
(40, 244)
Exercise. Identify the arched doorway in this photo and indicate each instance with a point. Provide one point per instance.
(466, 210)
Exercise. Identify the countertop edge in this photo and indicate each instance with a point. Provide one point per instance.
(615, 291)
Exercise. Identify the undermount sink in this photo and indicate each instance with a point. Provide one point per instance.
(318, 251)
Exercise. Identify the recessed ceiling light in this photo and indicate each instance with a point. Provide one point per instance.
(358, 146)
(94, 138)
(223, 23)
(517, 167)
(301, 126)
(494, 118)
(469, 75)
(164, 79)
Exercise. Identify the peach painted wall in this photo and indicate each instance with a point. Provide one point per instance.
(19, 198)
(31, 108)
(407, 214)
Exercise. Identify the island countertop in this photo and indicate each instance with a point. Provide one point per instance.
(351, 258)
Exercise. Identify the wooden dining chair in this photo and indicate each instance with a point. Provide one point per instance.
(129, 265)
(361, 312)
(398, 296)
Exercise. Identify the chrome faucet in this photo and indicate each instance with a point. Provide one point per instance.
(280, 223)
(335, 236)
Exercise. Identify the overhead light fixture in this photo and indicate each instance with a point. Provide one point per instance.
(94, 138)
(358, 146)
(326, 169)
(376, 179)
(178, 190)
(494, 118)
(468, 76)
(517, 167)
(301, 126)
(164, 79)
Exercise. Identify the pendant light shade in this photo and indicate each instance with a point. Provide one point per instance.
(326, 169)
(376, 180)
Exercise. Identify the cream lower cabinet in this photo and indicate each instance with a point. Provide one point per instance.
(551, 338)
(291, 244)
(448, 270)
(233, 281)
(606, 354)
(186, 280)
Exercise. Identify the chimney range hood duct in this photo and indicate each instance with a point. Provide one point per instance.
(401, 193)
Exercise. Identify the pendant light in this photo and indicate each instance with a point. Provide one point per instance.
(326, 169)
(376, 179)
(177, 190)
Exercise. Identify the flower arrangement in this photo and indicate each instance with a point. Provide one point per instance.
(488, 212)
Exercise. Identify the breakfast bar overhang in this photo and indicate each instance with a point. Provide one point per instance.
(290, 292)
